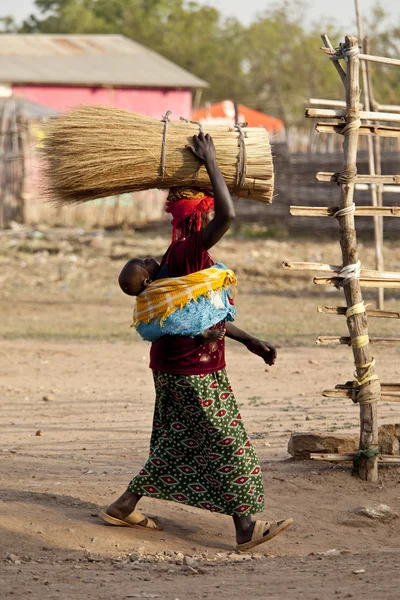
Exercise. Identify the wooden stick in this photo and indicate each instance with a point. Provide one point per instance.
(387, 107)
(381, 458)
(321, 102)
(333, 340)
(309, 266)
(365, 129)
(370, 282)
(386, 387)
(387, 189)
(358, 323)
(333, 177)
(329, 211)
(331, 113)
(371, 312)
(380, 59)
(349, 394)
(336, 55)
(378, 223)
(336, 63)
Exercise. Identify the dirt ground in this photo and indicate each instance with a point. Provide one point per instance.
(71, 369)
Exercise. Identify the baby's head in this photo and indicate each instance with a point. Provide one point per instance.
(137, 274)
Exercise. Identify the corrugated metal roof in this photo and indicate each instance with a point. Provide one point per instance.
(93, 60)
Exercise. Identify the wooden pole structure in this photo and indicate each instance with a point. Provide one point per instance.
(337, 113)
(378, 221)
(357, 323)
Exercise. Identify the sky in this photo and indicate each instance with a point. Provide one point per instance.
(246, 10)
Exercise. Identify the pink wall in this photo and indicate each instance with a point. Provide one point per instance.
(150, 102)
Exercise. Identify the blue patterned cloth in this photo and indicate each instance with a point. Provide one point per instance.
(194, 318)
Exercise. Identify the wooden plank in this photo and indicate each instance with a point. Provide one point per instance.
(329, 211)
(365, 129)
(333, 177)
(328, 457)
(338, 113)
(334, 340)
(371, 312)
(311, 266)
(370, 282)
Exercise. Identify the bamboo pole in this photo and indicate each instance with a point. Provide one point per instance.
(358, 323)
(329, 211)
(385, 60)
(311, 266)
(322, 102)
(336, 55)
(334, 340)
(371, 312)
(328, 457)
(336, 63)
(386, 189)
(375, 130)
(375, 140)
(378, 227)
(329, 176)
(349, 393)
(386, 387)
(369, 282)
(387, 107)
(332, 113)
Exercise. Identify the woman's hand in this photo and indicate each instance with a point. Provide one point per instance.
(203, 148)
(263, 349)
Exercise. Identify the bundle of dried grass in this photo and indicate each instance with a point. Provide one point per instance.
(96, 151)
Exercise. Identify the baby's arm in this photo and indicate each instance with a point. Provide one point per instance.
(210, 335)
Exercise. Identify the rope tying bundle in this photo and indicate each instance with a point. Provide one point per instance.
(200, 126)
(343, 212)
(348, 273)
(241, 166)
(366, 376)
(369, 394)
(165, 120)
(360, 341)
(356, 309)
(345, 53)
(347, 176)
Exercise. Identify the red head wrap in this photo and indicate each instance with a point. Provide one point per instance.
(186, 208)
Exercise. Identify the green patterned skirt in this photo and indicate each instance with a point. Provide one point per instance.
(200, 453)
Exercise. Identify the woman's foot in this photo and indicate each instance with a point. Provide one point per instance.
(124, 506)
(250, 534)
(244, 528)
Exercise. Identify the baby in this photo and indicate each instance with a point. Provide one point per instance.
(190, 306)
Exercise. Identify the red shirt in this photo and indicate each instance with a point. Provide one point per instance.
(183, 355)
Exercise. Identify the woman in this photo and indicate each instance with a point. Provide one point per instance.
(200, 453)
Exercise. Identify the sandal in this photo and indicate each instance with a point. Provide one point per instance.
(263, 532)
(135, 519)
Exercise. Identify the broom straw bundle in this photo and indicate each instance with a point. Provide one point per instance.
(96, 151)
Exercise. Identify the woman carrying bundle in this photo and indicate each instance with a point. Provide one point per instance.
(200, 453)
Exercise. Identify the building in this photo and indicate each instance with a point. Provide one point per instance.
(227, 113)
(60, 71)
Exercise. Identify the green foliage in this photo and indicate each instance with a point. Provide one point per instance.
(272, 65)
